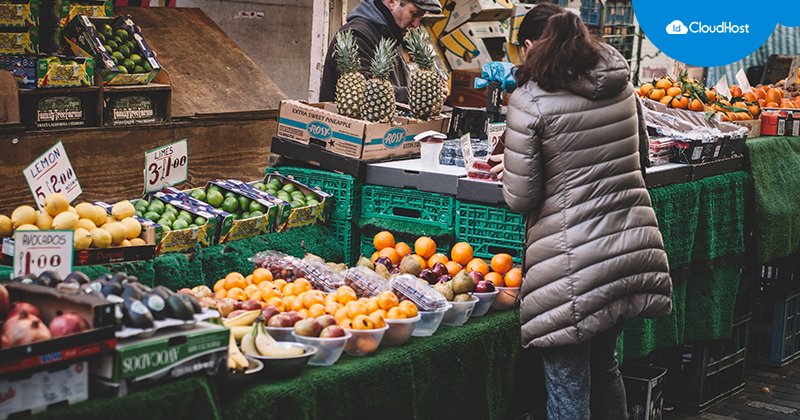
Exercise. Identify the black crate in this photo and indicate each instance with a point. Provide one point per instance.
(136, 104)
(704, 373)
(60, 108)
(644, 390)
(776, 331)
(778, 278)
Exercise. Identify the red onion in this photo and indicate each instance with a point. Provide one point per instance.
(18, 307)
(24, 329)
(68, 323)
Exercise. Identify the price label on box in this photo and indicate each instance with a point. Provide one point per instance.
(166, 166)
(52, 173)
(47, 250)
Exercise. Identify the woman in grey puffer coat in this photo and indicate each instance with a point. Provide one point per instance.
(594, 256)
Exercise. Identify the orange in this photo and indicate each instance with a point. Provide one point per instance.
(437, 258)
(313, 297)
(261, 275)
(235, 280)
(377, 320)
(250, 289)
(301, 284)
(345, 294)
(696, 105)
(711, 95)
(496, 278)
(409, 308)
(478, 265)
(383, 240)
(316, 310)
(513, 278)
(657, 94)
(288, 289)
(221, 294)
(249, 279)
(666, 100)
(461, 253)
(403, 249)
(340, 314)
(420, 260)
(276, 302)
(297, 303)
(453, 268)
(237, 293)
(375, 256)
(425, 247)
(759, 93)
(391, 254)
(736, 91)
(739, 104)
(664, 83)
(257, 296)
(754, 110)
(219, 285)
(771, 105)
(387, 300)
(774, 95)
(332, 307)
(279, 283)
(303, 313)
(396, 313)
(749, 97)
(355, 308)
(645, 89)
(372, 304)
(680, 102)
(674, 91)
(502, 263)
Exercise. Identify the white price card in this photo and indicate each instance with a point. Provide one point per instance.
(466, 150)
(37, 251)
(52, 173)
(744, 83)
(166, 166)
(723, 88)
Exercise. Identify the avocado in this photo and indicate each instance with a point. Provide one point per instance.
(179, 308)
(130, 292)
(156, 304)
(119, 277)
(163, 292)
(49, 279)
(111, 288)
(78, 276)
(136, 315)
(192, 301)
(24, 279)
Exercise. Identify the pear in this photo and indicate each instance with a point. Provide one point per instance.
(383, 271)
(365, 262)
(410, 265)
(462, 297)
(446, 289)
(462, 283)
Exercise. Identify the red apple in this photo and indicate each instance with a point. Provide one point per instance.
(235, 313)
(429, 276)
(68, 323)
(332, 331)
(326, 320)
(484, 286)
(308, 327)
(476, 277)
(225, 306)
(268, 312)
(439, 269)
(251, 305)
(280, 321)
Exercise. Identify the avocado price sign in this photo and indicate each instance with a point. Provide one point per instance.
(166, 166)
(44, 250)
(51, 173)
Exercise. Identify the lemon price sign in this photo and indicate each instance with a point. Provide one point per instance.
(166, 166)
(51, 173)
(37, 251)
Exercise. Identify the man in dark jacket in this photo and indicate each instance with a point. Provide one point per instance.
(370, 21)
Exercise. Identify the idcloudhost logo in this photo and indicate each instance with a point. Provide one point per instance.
(676, 27)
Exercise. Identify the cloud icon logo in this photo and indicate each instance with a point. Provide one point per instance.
(677, 27)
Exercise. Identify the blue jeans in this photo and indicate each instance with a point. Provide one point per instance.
(583, 381)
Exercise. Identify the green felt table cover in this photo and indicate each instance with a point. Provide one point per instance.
(775, 167)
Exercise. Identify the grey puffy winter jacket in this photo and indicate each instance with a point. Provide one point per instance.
(594, 255)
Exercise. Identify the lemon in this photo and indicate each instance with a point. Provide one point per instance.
(23, 215)
(125, 242)
(117, 231)
(27, 227)
(123, 209)
(82, 238)
(65, 221)
(5, 226)
(101, 238)
(86, 224)
(138, 242)
(85, 210)
(109, 219)
(56, 203)
(72, 210)
(132, 226)
(44, 221)
(99, 216)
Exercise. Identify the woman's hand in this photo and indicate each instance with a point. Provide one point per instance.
(497, 169)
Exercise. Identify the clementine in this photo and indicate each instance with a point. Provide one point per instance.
(479, 265)
(711, 95)
(403, 249)
(237, 293)
(664, 83)
(235, 279)
(645, 89)
(502, 262)
(513, 278)
(383, 240)
(437, 258)
(680, 102)
(496, 278)
(461, 253)
(219, 285)
(261, 275)
(674, 91)
(736, 91)
(666, 100)
(425, 247)
(657, 94)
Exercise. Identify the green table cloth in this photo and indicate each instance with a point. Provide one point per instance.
(775, 167)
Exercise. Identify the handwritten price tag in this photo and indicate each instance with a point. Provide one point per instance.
(38, 251)
(52, 173)
(166, 166)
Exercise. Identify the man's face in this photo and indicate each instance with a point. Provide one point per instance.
(406, 14)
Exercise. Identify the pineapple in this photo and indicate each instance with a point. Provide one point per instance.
(350, 86)
(379, 101)
(426, 84)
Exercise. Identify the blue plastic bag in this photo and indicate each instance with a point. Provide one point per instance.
(499, 72)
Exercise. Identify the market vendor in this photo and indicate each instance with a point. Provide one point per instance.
(370, 21)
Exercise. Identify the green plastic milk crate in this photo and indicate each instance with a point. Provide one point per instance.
(344, 233)
(346, 190)
(408, 205)
(490, 230)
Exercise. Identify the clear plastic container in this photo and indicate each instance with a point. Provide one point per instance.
(460, 312)
(290, 268)
(485, 301)
(364, 342)
(328, 349)
(429, 321)
(320, 275)
(506, 299)
(366, 282)
(281, 266)
(281, 333)
(418, 291)
(399, 330)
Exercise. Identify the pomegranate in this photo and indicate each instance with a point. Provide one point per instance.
(68, 323)
(3, 300)
(18, 307)
(24, 329)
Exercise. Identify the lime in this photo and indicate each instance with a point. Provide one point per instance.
(106, 28)
(136, 58)
(311, 196)
(129, 64)
(180, 224)
(122, 34)
(289, 187)
(184, 213)
(166, 228)
(164, 222)
(125, 50)
(255, 206)
(297, 193)
(198, 194)
(213, 188)
(152, 216)
(244, 203)
(122, 69)
(296, 204)
(214, 197)
(230, 204)
(230, 194)
(138, 70)
(275, 182)
(256, 213)
(170, 207)
(259, 186)
(245, 215)
(113, 44)
(312, 202)
(146, 66)
(169, 216)
(140, 205)
(138, 214)
(199, 221)
(156, 206)
(271, 192)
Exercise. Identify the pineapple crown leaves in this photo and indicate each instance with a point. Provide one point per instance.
(346, 52)
(382, 63)
(419, 49)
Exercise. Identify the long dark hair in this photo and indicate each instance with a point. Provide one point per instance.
(563, 51)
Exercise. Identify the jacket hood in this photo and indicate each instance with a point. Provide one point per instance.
(608, 79)
(377, 13)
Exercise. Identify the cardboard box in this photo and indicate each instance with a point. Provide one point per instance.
(474, 44)
(515, 21)
(414, 174)
(20, 41)
(67, 9)
(60, 108)
(513, 53)
(136, 105)
(83, 38)
(459, 12)
(22, 68)
(165, 356)
(780, 122)
(305, 215)
(57, 72)
(319, 124)
(93, 256)
(299, 154)
(183, 240)
(34, 393)
(19, 13)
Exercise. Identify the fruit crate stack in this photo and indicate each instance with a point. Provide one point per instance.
(490, 229)
(776, 315)
(346, 191)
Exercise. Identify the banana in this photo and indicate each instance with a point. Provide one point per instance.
(239, 332)
(244, 319)
(236, 360)
(263, 340)
(248, 345)
(276, 350)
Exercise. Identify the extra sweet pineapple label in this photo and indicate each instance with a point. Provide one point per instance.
(19, 13)
(19, 40)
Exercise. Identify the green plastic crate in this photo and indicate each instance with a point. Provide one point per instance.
(345, 232)
(490, 230)
(408, 205)
(346, 190)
